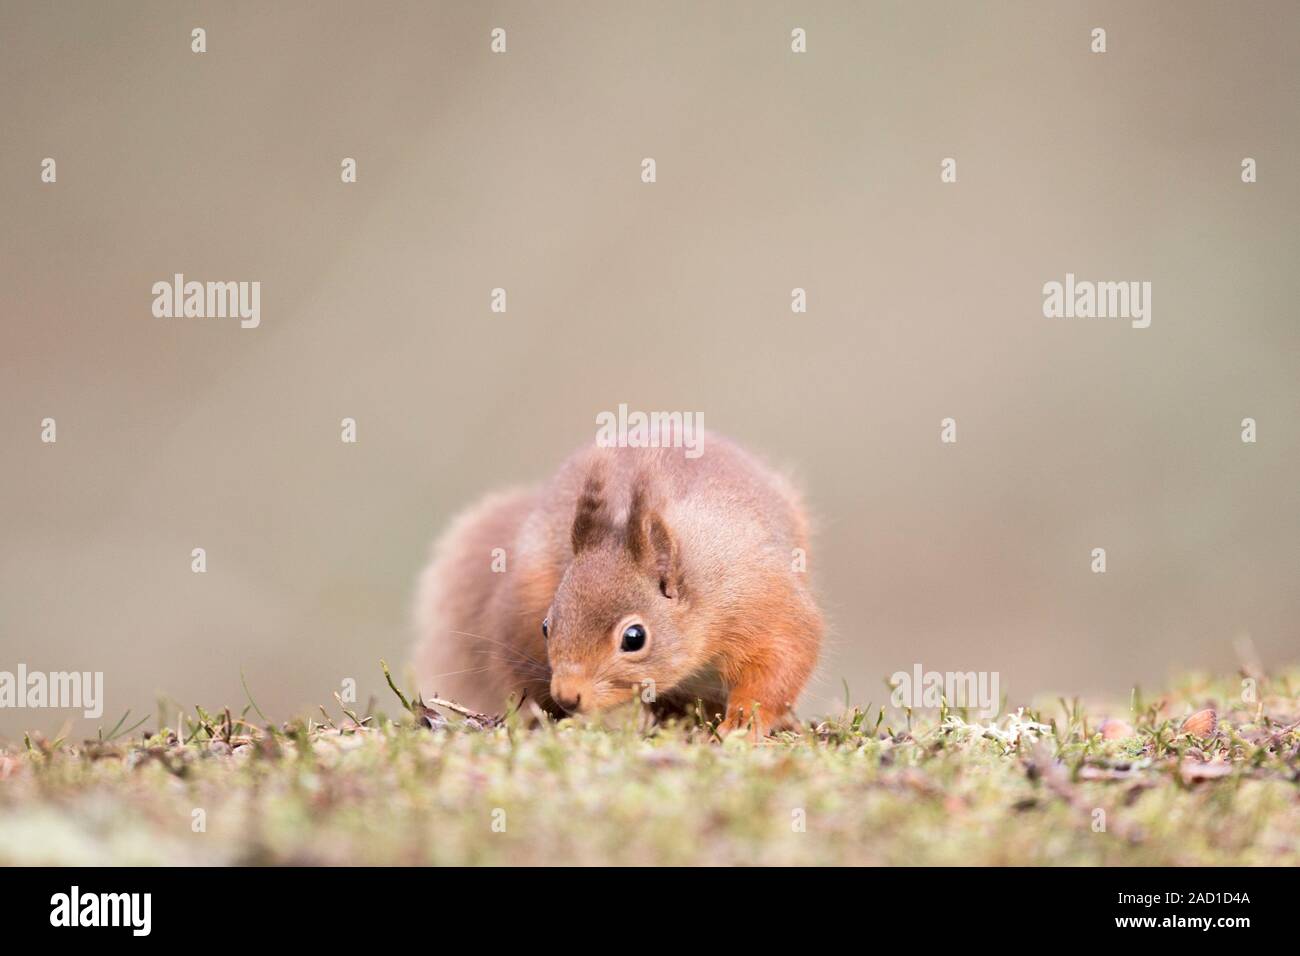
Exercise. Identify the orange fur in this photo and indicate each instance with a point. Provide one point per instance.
(699, 552)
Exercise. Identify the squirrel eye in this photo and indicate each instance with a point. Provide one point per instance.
(546, 628)
(633, 638)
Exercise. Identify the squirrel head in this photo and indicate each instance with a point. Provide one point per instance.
(614, 629)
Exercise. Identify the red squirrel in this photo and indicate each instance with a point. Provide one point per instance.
(632, 574)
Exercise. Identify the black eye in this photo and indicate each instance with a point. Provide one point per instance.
(633, 638)
(546, 628)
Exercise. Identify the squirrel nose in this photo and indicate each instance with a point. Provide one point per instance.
(565, 697)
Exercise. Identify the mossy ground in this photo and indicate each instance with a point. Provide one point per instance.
(1041, 786)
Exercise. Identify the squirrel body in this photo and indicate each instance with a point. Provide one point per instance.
(633, 573)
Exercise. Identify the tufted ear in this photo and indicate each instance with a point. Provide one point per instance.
(590, 519)
(651, 542)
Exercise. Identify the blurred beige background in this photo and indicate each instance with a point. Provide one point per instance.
(775, 170)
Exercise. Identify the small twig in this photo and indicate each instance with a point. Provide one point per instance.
(352, 714)
(389, 677)
(456, 708)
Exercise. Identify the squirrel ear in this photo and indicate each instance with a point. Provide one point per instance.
(590, 523)
(665, 550)
(651, 542)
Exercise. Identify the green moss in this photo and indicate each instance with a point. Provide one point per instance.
(1030, 788)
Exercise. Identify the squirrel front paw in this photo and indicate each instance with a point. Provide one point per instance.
(755, 718)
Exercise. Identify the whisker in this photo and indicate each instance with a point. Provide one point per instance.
(468, 670)
(490, 640)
